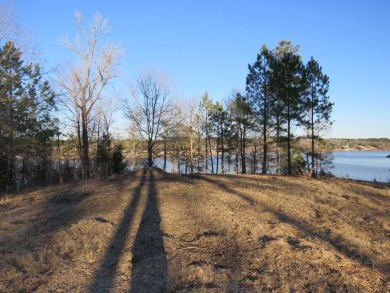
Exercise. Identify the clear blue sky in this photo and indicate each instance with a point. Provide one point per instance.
(207, 45)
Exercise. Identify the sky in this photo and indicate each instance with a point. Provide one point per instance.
(207, 46)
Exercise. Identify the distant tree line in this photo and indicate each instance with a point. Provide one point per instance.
(360, 143)
(57, 131)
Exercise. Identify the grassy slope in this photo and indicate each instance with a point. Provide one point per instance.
(151, 231)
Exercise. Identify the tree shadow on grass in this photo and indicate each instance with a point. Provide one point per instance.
(149, 262)
(224, 187)
(56, 212)
(336, 241)
(63, 209)
(104, 278)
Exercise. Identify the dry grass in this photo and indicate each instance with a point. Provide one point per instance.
(152, 232)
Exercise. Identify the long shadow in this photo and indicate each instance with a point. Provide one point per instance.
(104, 278)
(63, 209)
(58, 211)
(228, 189)
(336, 242)
(149, 262)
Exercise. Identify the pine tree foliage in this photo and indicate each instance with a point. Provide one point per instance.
(26, 126)
(261, 98)
(284, 95)
(317, 108)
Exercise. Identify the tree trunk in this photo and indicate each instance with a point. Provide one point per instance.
(222, 149)
(289, 168)
(243, 163)
(150, 153)
(211, 156)
(85, 147)
(165, 154)
(308, 161)
(218, 138)
(11, 175)
(236, 162)
(265, 150)
(312, 136)
(192, 150)
(277, 164)
(254, 159)
(206, 147)
(199, 151)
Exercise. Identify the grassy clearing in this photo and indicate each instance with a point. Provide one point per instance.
(151, 232)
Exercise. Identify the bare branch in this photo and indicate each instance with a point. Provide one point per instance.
(151, 108)
(85, 82)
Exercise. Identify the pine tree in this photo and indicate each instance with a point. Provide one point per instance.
(258, 88)
(317, 106)
(289, 76)
(117, 158)
(242, 115)
(25, 123)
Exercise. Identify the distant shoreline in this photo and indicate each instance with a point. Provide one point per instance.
(368, 144)
(360, 150)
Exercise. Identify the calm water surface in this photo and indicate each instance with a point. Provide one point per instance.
(362, 165)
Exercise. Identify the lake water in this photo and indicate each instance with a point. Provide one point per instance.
(362, 165)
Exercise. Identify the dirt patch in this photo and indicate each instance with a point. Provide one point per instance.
(156, 232)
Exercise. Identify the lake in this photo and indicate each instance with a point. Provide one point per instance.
(362, 165)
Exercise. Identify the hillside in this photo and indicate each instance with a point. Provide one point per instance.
(151, 232)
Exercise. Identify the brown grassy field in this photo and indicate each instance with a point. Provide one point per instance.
(155, 232)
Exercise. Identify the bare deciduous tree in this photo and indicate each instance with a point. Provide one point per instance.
(7, 26)
(192, 134)
(151, 109)
(84, 82)
(10, 30)
(105, 112)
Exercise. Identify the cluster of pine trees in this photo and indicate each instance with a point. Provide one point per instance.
(26, 123)
(285, 93)
(275, 127)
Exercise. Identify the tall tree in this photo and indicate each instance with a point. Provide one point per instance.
(259, 93)
(288, 75)
(151, 109)
(243, 118)
(84, 83)
(317, 106)
(218, 121)
(242, 115)
(206, 106)
(25, 123)
(283, 48)
(232, 133)
(191, 132)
